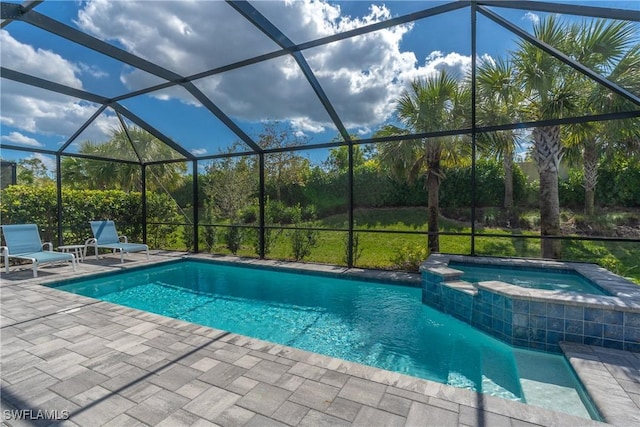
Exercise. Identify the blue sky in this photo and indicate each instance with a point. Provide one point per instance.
(361, 77)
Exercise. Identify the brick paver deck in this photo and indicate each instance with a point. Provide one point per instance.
(115, 366)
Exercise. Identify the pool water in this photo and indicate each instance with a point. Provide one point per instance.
(375, 324)
(545, 279)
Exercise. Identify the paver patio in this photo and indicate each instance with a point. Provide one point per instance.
(110, 365)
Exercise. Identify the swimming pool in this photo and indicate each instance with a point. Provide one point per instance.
(376, 324)
(560, 280)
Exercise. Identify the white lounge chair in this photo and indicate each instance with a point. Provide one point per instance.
(23, 242)
(106, 236)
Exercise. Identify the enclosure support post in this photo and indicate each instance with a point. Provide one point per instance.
(59, 196)
(350, 198)
(144, 202)
(261, 230)
(473, 126)
(196, 203)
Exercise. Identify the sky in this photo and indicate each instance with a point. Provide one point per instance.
(361, 76)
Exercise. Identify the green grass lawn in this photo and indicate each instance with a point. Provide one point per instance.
(382, 250)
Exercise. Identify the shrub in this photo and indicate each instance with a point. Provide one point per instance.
(233, 238)
(250, 214)
(455, 190)
(356, 249)
(209, 236)
(26, 204)
(302, 241)
(187, 237)
(618, 185)
(410, 257)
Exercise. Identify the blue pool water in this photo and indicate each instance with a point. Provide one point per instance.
(376, 324)
(528, 278)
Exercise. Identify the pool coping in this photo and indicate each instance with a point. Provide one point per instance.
(31, 306)
(625, 295)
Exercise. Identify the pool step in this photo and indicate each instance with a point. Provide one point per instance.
(462, 286)
(465, 366)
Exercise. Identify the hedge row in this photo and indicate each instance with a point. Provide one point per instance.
(26, 204)
(618, 186)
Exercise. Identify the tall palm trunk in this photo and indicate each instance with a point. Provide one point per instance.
(507, 164)
(590, 160)
(548, 153)
(434, 177)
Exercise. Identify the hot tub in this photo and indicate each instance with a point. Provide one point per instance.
(607, 315)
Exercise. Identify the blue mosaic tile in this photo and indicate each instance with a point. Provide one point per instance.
(554, 337)
(573, 312)
(554, 324)
(485, 296)
(631, 335)
(520, 332)
(520, 306)
(593, 341)
(465, 312)
(432, 278)
(485, 328)
(593, 329)
(486, 309)
(613, 317)
(535, 324)
(537, 307)
(555, 310)
(508, 316)
(618, 345)
(632, 319)
(574, 327)
(539, 335)
(536, 345)
(508, 329)
(475, 316)
(613, 332)
(432, 287)
(458, 297)
(553, 348)
(538, 322)
(519, 342)
(508, 304)
(485, 320)
(573, 338)
(498, 300)
(593, 314)
(520, 320)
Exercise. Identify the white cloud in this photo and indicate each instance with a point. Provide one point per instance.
(48, 161)
(38, 62)
(198, 151)
(361, 76)
(35, 110)
(454, 63)
(91, 70)
(533, 17)
(18, 138)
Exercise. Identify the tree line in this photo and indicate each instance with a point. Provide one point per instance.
(527, 85)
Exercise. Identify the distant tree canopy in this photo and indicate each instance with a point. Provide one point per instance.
(79, 172)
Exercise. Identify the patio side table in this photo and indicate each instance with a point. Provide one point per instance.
(77, 250)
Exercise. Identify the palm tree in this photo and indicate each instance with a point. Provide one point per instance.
(601, 46)
(110, 174)
(552, 92)
(498, 98)
(431, 104)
